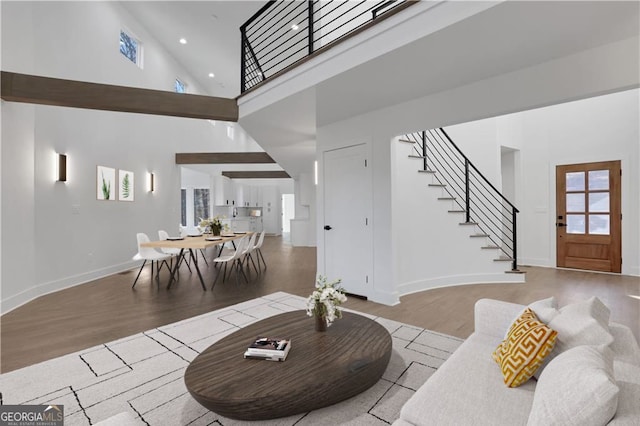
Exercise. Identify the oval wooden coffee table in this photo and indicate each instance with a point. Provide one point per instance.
(322, 368)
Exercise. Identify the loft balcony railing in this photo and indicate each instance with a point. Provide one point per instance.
(482, 204)
(283, 33)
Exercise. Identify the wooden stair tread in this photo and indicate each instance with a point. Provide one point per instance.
(437, 185)
(405, 141)
(455, 211)
(490, 248)
(467, 223)
(418, 156)
(503, 259)
(446, 198)
(426, 171)
(478, 235)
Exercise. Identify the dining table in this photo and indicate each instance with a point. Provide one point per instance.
(191, 243)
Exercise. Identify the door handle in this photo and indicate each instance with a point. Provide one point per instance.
(327, 228)
(560, 225)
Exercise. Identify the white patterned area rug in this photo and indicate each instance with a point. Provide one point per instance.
(143, 374)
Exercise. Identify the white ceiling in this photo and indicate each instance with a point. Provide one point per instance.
(212, 31)
(510, 36)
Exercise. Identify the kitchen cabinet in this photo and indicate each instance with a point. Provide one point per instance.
(256, 197)
(239, 200)
(250, 196)
(271, 210)
(241, 225)
(247, 224)
(225, 193)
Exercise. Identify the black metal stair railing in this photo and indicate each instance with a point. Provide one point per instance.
(481, 203)
(282, 33)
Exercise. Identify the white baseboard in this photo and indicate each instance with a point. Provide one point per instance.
(17, 300)
(456, 280)
(384, 298)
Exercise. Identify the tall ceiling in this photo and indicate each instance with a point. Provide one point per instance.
(508, 36)
(212, 31)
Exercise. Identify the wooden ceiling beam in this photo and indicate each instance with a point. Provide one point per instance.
(256, 174)
(223, 158)
(79, 94)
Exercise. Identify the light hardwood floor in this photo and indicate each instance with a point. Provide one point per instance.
(107, 309)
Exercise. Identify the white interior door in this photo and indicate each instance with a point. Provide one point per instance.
(348, 250)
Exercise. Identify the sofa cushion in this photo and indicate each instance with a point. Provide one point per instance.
(577, 388)
(527, 344)
(545, 310)
(581, 323)
(468, 389)
(624, 344)
(627, 377)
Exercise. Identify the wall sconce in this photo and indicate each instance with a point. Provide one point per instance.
(315, 172)
(152, 183)
(61, 176)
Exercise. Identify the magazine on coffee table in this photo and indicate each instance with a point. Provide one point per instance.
(269, 347)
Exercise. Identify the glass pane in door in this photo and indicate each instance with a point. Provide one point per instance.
(599, 224)
(599, 202)
(575, 203)
(200, 204)
(575, 224)
(598, 180)
(183, 207)
(575, 181)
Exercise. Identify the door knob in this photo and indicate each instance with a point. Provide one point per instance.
(327, 228)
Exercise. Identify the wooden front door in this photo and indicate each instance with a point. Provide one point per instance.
(588, 219)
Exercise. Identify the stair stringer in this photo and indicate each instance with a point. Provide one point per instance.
(431, 249)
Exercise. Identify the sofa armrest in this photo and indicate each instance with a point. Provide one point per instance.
(494, 317)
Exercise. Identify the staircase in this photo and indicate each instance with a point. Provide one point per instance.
(488, 215)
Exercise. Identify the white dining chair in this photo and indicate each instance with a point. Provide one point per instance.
(164, 235)
(185, 232)
(235, 259)
(258, 249)
(148, 253)
(246, 254)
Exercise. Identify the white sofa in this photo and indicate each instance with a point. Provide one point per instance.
(468, 388)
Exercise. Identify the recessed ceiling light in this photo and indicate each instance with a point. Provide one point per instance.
(183, 41)
(294, 27)
(211, 75)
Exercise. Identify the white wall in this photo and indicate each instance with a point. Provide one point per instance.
(80, 41)
(432, 249)
(605, 126)
(602, 128)
(303, 226)
(376, 136)
(56, 235)
(598, 129)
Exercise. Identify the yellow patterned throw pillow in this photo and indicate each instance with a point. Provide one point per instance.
(527, 344)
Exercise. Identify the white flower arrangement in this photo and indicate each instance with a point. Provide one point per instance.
(213, 223)
(325, 299)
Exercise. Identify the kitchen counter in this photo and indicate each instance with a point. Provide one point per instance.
(246, 224)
